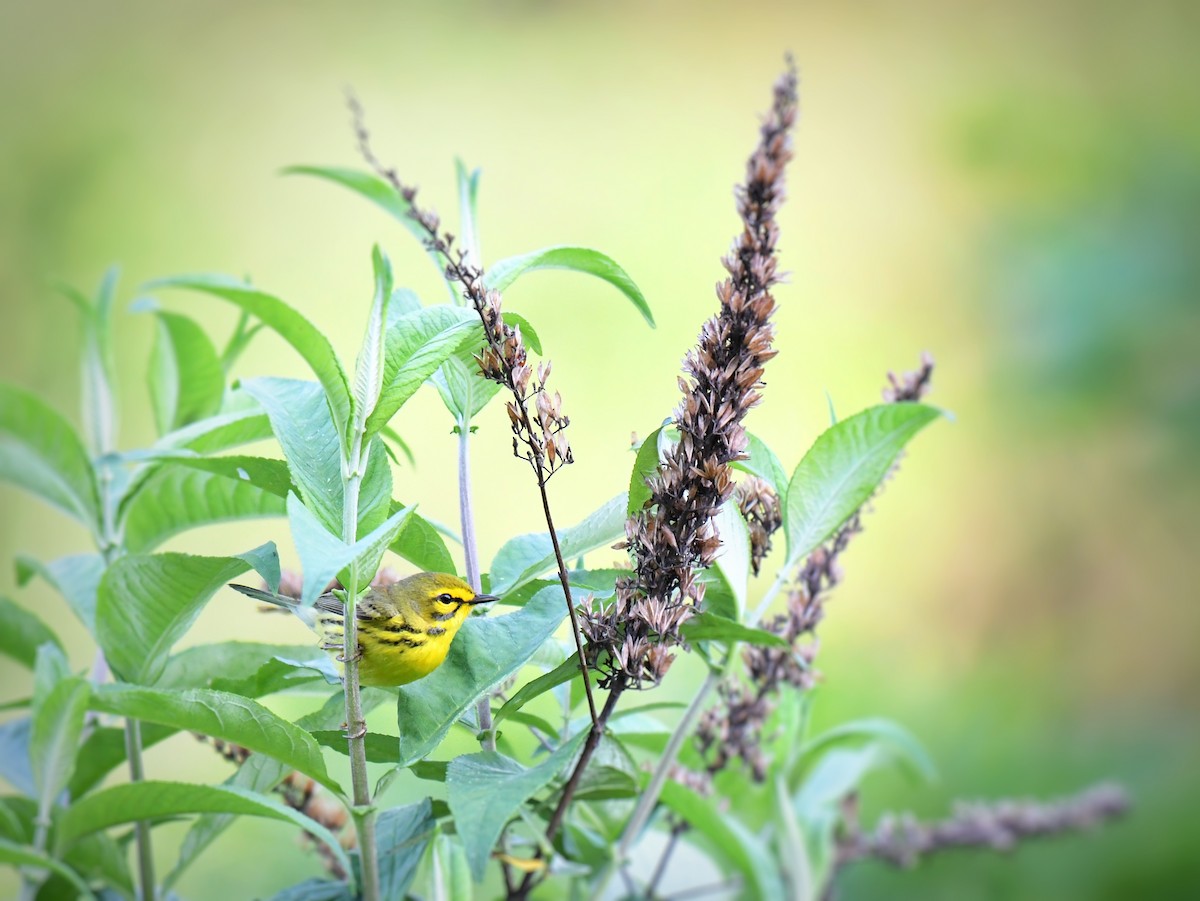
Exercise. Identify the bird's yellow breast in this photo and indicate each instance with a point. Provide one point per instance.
(385, 662)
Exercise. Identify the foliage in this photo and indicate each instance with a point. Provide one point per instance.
(335, 488)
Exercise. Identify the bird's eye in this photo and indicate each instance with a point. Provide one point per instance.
(445, 599)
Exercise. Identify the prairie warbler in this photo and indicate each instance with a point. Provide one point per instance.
(404, 630)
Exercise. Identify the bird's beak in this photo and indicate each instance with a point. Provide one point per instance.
(483, 599)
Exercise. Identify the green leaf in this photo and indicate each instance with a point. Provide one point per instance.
(22, 633)
(241, 421)
(451, 874)
(763, 463)
(463, 389)
(707, 626)
(220, 715)
(323, 556)
(199, 492)
(14, 755)
(379, 192)
(368, 371)
(236, 666)
(468, 213)
(185, 377)
(486, 789)
(487, 650)
(732, 562)
(526, 557)
(644, 466)
(146, 603)
(41, 453)
(259, 774)
(887, 735)
(300, 419)
(104, 750)
(421, 545)
(152, 800)
(578, 259)
(730, 840)
(564, 672)
(100, 859)
(402, 834)
(98, 369)
(380, 748)
(309, 341)
(842, 470)
(794, 857)
(54, 739)
(22, 856)
(76, 578)
(416, 345)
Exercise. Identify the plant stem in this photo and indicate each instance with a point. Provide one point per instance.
(146, 890)
(356, 727)
(645, 806)
(483, 707)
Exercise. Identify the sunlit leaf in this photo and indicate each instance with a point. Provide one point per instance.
(487, 650)
(526, 557)
(728, 839)
(645, 464)
(41, 453)
(146, 603)
(762, 462)
(75, 577)
(564, 672)
(22, 632)
(185, 378)
(416, 345)
(707, 626)
(368, 371)
(308, 340)
(220, 715)
(843, 468)
(578, 259)
(54, 739)
(193, 493)
(421, 545)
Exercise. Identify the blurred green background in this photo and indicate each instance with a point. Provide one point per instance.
(1014, 187)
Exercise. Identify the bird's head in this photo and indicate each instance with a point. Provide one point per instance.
(437, 598)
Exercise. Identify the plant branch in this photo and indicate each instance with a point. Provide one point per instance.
(141, 829)
(356, 727)
(502, 360)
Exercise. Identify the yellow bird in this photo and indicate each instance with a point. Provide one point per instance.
(404, 630)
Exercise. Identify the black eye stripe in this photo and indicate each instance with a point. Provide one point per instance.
(449, 614)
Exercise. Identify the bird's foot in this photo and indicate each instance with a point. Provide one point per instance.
(359, 732)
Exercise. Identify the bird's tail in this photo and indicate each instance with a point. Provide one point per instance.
(305, 614)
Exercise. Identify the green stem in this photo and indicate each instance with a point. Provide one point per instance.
(141, 829)
(483, 707)
(649, 798)
(356, 727)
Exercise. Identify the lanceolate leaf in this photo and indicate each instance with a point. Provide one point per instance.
(526, 557)
(421, 545)
(728, 838)
(564, 672)
(76, 578)
(103, 750)
(22, 856)
(579, 259)
(763, 463)
(146, 603)
(309, 341)
(220, 715)
(368, 373)
(14, 755)
(54, 741)
(22, 632)
(416, 345)
(323, 555)
(154, 800)
(462, 387)
(182, 496)
(487, 650)
(732, 563)
(241, 421)
(885, 734)
(186, 379)
(258, 774)
(484, 790)
(645, 464)
(843, 468)
(41, 453)
(707, 626)
(300, 418)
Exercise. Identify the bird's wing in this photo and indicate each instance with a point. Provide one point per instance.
(304, 614)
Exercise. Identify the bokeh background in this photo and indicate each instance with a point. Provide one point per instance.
(1014, 187)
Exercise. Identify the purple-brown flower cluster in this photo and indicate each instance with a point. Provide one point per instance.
(673, 536)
